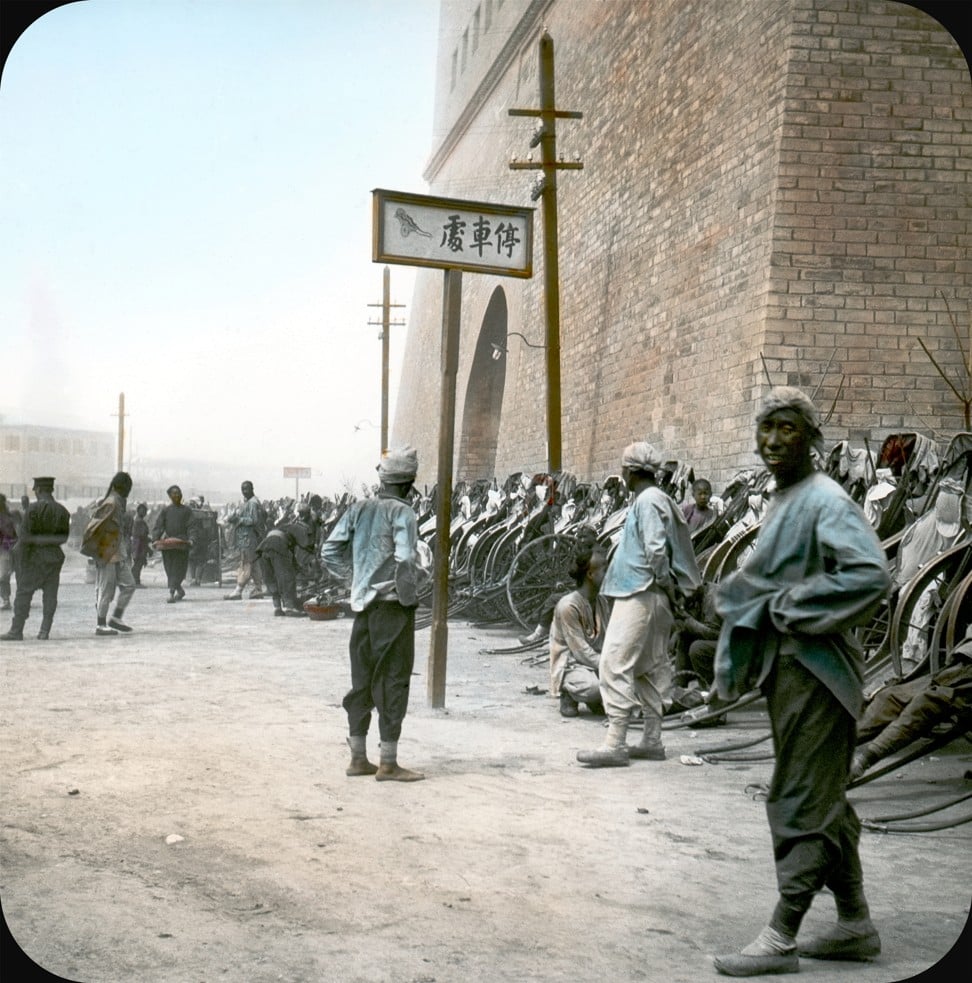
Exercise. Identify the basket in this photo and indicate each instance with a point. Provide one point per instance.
(322, 612)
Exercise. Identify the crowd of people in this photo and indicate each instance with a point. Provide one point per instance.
(782, 624)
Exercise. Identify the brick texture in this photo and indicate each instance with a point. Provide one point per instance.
(774, 188)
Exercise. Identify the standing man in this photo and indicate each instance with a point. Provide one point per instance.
(817, 571)
(652, 569)
(8, 539)
(112, 556)
(249, 522)
(374, 544)
(39, 558)
(172, 538)
(140, 547)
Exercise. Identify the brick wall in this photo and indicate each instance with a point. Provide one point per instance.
(779, 179)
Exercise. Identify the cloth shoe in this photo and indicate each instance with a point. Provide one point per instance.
(605, 757)
(653, 752)
(12, 636)
(771, 953)
(257, 595)
(105, 631)
(233, 597)
(118, 625)
(536, 635)
(568, 705)
(852, 944)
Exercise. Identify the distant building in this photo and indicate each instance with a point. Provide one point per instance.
(82, 461)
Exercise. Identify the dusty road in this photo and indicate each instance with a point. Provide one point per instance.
(174, 808)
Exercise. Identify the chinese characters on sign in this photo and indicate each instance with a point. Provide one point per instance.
(423, 231)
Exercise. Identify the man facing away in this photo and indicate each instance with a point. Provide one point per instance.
(375, 541)
(39, 558)
(249, 522)
(817, 571)
(652, 568)
(113, 562)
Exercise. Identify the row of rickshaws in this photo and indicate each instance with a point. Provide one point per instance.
(512, 546)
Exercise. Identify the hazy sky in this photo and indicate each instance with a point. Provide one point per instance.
(185, 205)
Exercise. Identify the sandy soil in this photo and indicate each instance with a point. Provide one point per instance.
(175, 808)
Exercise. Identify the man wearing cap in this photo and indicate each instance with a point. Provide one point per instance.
(652, 568)
(39, 558)
(374, 544)
(249, 521)
(817, 572)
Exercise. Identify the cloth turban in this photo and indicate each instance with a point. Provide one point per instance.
(641, 456)
(398, 466)
(791, 398)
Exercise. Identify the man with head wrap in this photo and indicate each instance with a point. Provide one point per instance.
(113, 557)
(652, 568)
(374, 545)
(817, 571)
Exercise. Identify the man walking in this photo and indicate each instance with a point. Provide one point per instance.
(375, 542)
(112, 556)
(817, 571)
(652, 569)
(172, 538)
(249, 522)
(39, 559)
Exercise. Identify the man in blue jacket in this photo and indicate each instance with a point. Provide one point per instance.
(817, 572)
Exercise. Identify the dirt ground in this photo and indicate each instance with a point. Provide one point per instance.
(175, 808)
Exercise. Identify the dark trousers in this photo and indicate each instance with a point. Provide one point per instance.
(382, 657)
(280, 576)
(176, 563)
(138, 565)
(45, 577)
(814, 828)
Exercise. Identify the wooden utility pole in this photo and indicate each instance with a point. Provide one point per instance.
(546, 187)
(385, 323)
(121, 432)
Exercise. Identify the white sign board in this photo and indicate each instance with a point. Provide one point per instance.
(297, 472)
(447, 233)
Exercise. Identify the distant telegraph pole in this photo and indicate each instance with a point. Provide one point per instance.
(121, 432)
(385, 323)
(546, 187)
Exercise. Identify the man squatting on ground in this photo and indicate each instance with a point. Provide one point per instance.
(652, 568)
(376, 542)
(38, 559)
(249, 523)
(113, 563)
(577, 636)
(817, 571)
